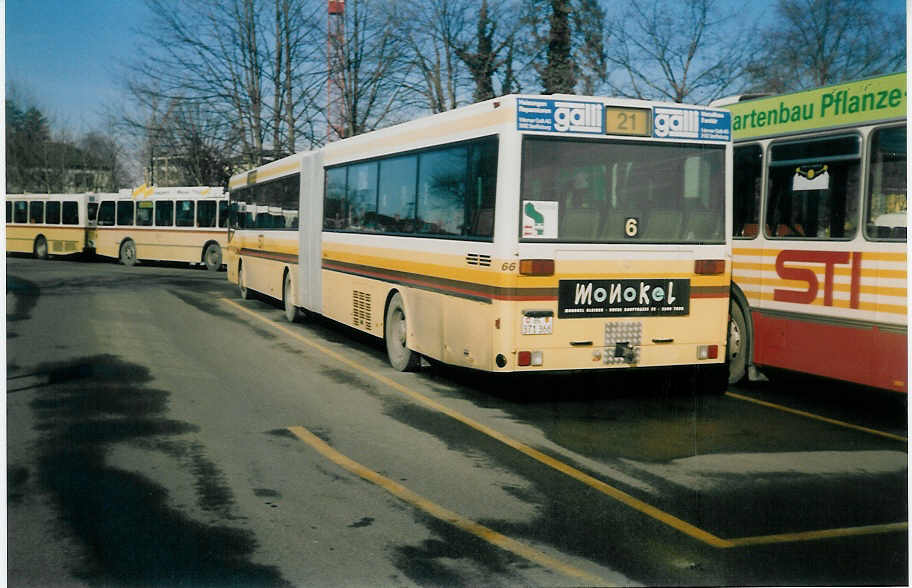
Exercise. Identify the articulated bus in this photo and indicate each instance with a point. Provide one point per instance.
(47, 224)
(186, 224)
(520, 234)
(819, 253)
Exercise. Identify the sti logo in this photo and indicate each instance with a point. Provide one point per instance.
(677, 123)
(577, 117)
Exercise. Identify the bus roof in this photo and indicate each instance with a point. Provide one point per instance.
(152, 192)
(556, 114)
(875, 99)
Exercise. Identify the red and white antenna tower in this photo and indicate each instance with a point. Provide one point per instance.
(335, 62)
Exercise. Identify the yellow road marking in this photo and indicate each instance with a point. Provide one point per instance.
(619, 495)
(442, 513)
(824, 534)
(817, 417)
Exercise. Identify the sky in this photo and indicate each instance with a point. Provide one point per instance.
(66, 55)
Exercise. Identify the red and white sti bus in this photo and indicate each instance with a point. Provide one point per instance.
(819, 264)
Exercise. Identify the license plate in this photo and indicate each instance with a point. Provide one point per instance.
(537, 325)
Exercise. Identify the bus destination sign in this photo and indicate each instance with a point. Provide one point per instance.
(559, 116)
(625, 297)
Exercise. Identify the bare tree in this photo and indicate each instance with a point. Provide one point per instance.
(432, 30)
(819, 42)
(564, 44)
(253, 66)
(676, 50)
(368, 69)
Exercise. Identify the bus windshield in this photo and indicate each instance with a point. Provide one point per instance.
(584, 191)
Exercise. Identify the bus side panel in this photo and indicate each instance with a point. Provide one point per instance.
(356, 301)
(469, 332)
(309, 275)
(865, 355)
(107, 241)
(20, 239)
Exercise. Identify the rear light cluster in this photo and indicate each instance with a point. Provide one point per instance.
(709, 267)
(527, 358)
(707, 351)
(536, 267)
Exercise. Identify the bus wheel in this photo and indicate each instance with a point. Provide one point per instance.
(41, 247)
(291, 312)
(395, 330)
(128, 253)
(242, 286)
(737, 347)
(213, 257)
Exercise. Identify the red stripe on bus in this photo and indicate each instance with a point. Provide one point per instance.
(864, 353)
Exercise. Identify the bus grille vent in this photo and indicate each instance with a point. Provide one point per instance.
(361, 310)
(476, 259)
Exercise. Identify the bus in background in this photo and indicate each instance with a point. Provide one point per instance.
(819, 253)
(520, 234)
(47, 224)
(186, 224)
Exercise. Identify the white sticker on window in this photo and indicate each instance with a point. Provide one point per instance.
(811, 178)
(539, 219)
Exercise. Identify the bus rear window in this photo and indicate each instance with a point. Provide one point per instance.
(584, 191)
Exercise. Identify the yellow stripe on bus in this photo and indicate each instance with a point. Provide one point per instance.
(837, 287)
(866, 255)
(838, 270)
(753, 295)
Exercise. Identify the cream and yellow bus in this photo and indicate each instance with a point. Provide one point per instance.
(187, 224)
(47, 224)
(820, 267)
(520, 234)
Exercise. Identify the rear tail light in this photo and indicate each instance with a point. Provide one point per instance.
(536, 267)
(709, 267)
(527, 358)
(707, 351)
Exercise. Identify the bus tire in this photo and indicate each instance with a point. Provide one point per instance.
(212, 257)
(738, 347)
(40, 249)
(292, 314)
(128, 253)
(242, 286)
(395, 331)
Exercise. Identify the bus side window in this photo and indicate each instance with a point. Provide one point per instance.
(125, 213)
(144, 211)
(36, 212)
(106, 214)
(9, 212)
(886, 212)
(70, 213)
(184, 213)
(223, 214)
(52, 213)
(20, 211)
(164, 213)
(748, 174)
(205, 213)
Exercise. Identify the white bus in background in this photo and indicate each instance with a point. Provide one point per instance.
(187, 224)
(524, 233)
(47, 224)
